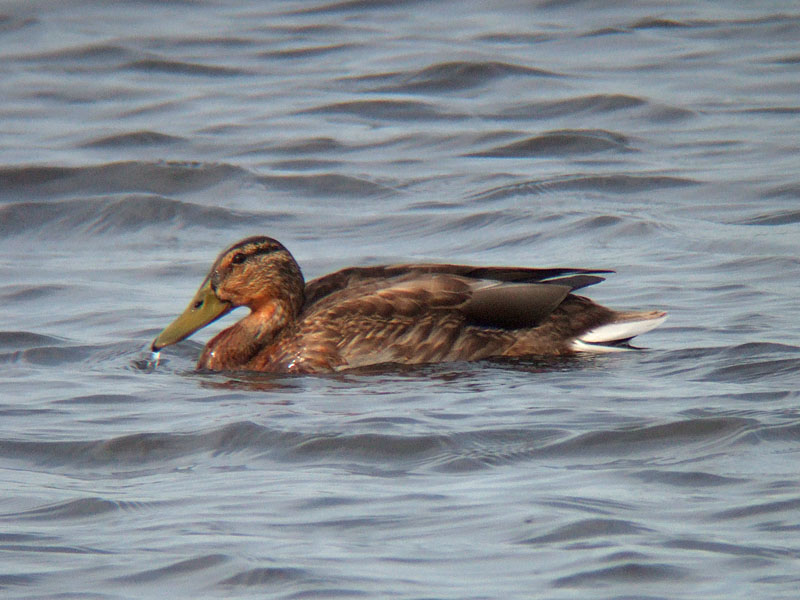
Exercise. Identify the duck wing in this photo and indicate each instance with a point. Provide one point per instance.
(355, 277)
(507, 298)
(521, 305)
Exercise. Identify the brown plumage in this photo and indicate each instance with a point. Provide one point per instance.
(414, 313)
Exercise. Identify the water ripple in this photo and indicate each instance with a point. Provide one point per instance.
(456, 452)
(119, 177)
(596, 103)
(90, 54)
(632, 572)
(266, 576)
(561, 143)
(18, 340)
(587, 529)
(778, 217)
(176, 569)
(134, 138)
(382, 109)
(114, 215)
(614, 184)
(458, 75)
(73, 509)
(174, 67)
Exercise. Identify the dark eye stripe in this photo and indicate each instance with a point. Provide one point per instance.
(265, 249)
(253, 246)
(248, 252)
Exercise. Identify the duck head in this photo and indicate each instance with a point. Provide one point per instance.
(259, 273)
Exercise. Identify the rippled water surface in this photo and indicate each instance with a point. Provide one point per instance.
(659, 139)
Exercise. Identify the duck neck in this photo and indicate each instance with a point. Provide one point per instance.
(235, 346)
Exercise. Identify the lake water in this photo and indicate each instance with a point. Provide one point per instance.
(659, 139)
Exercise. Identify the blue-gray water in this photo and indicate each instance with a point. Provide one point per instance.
(659, 139)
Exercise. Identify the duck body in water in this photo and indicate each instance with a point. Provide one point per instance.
(405, 313)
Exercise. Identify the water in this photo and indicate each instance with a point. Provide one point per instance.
(657, 139)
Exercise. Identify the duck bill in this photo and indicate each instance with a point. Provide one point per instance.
(204, 308)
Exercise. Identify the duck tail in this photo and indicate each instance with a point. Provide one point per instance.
(614, 336)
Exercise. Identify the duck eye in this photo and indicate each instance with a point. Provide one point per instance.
(238, 258)
(198, 304)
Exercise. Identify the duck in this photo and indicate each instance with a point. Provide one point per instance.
(397, 313)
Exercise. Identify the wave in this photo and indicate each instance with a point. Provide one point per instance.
(134, 139)
(26, 339)
(327, 185)
(597, 103)
(356, 6)
(26, 181)
(264, 576)
(383, 109)
(176, 67)
(778, 217)
(563, 142)
(83, 55)
(639, 571)
(458, 451)
(454, 76)
(587, 529)
(129, 213)
(176, 569)
(615, 184)
(307, 52)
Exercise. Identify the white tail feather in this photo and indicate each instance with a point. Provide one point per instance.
(593, 340)
(579, 346)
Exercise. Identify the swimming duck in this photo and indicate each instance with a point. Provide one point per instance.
(404, 313)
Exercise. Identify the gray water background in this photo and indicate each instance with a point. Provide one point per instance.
(660, 139)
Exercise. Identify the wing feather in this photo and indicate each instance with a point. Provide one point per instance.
(357, 276)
